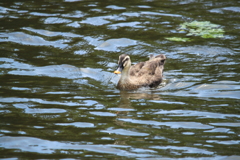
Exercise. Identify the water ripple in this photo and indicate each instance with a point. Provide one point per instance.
(46, 146)
(77, 124)
(199, 114)
(124, 132)
(26, 39)
(189, 125)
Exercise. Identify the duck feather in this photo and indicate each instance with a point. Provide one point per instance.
(142, 74)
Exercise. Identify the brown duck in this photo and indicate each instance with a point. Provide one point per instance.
(143, 74)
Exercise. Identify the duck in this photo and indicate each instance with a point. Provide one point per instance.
(142, 74)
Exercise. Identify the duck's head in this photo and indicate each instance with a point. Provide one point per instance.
(124, 63)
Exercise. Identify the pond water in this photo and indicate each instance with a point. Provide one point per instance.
(57, 88)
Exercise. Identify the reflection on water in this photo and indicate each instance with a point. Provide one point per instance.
(57, 88)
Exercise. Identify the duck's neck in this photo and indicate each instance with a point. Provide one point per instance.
(125, 75)
(124, 81)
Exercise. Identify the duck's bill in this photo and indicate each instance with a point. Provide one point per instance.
(117, 72)
(119, 69)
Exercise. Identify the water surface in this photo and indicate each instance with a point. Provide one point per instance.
(57, 88)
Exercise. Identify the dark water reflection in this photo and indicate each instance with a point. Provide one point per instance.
(57, 90)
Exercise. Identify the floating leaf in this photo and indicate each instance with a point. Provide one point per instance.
(205, 29)
(178, 39)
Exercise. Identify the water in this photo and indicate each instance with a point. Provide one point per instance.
(57, 87)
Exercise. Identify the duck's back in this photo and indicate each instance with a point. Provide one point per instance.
(148, 73)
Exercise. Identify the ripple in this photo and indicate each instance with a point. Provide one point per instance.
(166, 102)
(233, 9)
(58, 95)
(72, 0)
(56, 20)
(5, 131)
(4, 10)
(189, 125)
(20, 88)
(51, 33)
(126, 24)
(124, 132)
(209, 90)
(30, 109)
(41, 101)
(44, 111)
(230, 142)
(61, 71)
(97, 21)
(184, 149)
(114, 7)
(131, 14)
(11, 64)
(188, 133)
(215, 87)
(121, 109)
(208, 51)
(143, 6)
(49, 147)
(26, 39)
(77, 124)
(113, 44)
(199, 114)
(226, 124)
(13, 99)
(104, 114)
(74, 24)
(178, 85)
(58, 92)
(159, 14)
(74, 14)
(42, 14)
(220, 130)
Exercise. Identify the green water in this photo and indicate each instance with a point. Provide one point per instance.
(57, 88)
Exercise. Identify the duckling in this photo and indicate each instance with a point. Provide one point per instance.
(143, 74)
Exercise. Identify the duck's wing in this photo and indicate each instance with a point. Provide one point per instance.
(149, 73)
(134, 70)
(149, 67)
